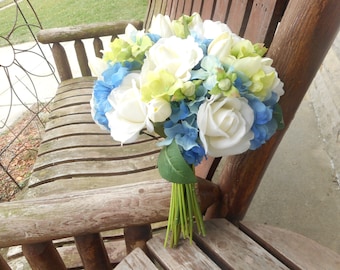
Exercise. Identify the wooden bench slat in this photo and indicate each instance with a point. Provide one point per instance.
(95, 153)
(185, 256)
(94, 168)
(229, 247)
(221, 10)
(136, 260)
(294, 249)
(79, 141)
(79, 109)
(81, 91)
(71, 101)
(197, 6)
(86, 183)
(70, 130)
(70, 119)
(263, 19)
(237, 14)
(76, 80)
(75, 84)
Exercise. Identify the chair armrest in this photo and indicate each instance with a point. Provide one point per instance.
(57, 216)
(82, 212)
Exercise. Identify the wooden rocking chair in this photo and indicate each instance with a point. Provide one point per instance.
(86, 189)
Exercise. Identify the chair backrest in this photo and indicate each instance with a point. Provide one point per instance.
(255, 20)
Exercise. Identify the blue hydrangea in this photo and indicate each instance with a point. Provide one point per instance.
(112, 78)
(154, 37)
(262, 113)
(203, 43)
(186, 136)
(264, 125)
(262, 133)
(194, 155)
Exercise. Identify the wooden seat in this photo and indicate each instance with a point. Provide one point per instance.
(86, 191)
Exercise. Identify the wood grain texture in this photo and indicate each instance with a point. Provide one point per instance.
(136, 260)
(74, 213)
(71, 33)
(231, 248)
(92, 252)
(294, 249)
(43, 255)
(184, 256)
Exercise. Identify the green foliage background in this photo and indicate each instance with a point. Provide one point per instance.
(58, 13)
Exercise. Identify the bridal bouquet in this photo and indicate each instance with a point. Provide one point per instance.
(203, 89)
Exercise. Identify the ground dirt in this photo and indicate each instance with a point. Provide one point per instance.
(19, 146)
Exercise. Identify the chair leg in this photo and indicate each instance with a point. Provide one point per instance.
(137, 236)
(3, 264)
(43, 256)
(92, 252)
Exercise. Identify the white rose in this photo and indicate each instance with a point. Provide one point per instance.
(129, 114)
(161, 25)
(221, 46)
(175, 55)
(225, 125)
(207, 29)
(158, 110)
(212, 29)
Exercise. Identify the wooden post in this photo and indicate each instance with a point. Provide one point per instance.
(92, 252)
(61, 61)
(43, 256)
(137, 236)
(3, 264)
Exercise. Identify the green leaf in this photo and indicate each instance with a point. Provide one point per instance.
(173, 167)
(277, 114)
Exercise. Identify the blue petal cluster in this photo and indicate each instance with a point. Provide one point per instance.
(182, 127)
(264, 124)
(112, 78)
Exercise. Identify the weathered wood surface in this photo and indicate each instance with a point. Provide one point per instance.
(86, 211)
(114, 245)
(53, 217)
(76, 33)
(185, 256)
(85, 31)
(3, 264)
(294, 249)
(92, 252)
(230, 247)
(136, 260)
(224, 247)
(75, 147)
(43, 255)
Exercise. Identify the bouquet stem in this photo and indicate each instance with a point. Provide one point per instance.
(184, 210)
